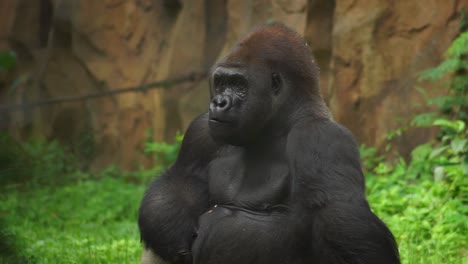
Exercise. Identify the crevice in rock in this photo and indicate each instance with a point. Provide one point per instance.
(86, 42)
(46, 14)
(145, 5)
(115, 3)
(98, 84)
(216, 30)
(340, 61)
(418, 29)
(173, 7)
(287, 8)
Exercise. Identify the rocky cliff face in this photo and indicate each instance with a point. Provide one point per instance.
(369, 53)
(378, 49)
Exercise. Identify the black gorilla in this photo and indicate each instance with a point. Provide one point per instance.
(266, 176)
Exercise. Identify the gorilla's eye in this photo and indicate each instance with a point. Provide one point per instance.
(239, 80)
(217, 79)
(275, 82)
(234, 80)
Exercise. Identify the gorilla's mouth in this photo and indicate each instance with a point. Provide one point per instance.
(219, 121)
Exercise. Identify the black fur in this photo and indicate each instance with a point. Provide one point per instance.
(265, 176)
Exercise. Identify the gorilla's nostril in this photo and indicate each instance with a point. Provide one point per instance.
(220, 103)
(223, 103)
(226, 103)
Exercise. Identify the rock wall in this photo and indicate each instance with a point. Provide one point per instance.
(378, 49)
(369, 53)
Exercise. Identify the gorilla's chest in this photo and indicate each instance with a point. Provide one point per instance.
(251, 181)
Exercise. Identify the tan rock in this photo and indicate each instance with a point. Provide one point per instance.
(369, 52)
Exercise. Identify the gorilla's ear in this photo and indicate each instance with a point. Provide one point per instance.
(275, 82)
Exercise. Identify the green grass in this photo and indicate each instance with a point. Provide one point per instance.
(84, 222)
(94, 221)
(50, 212)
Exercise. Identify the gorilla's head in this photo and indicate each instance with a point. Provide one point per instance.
(260, 84)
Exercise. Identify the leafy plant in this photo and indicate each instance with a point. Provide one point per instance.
(7, 59)
(164, 153)
(428, 217)
(424, 201)
(452, 76)
(451, 151)
(35, 161)
(369, 157)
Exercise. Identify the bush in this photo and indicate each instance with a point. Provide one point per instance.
(425, 210)
(164, 154)
(424, 201)
(35, 161)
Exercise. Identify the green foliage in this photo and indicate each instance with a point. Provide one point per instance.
(270, 21)
(7, 59)
(451, 152)
(35, 161)
(428, 216)
(165, 154)
(9, 252)
(369, 157)
(85, 222)
(452, 76)
(424, 201)
(141, 175)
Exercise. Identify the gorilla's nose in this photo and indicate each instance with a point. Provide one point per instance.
(220, 103)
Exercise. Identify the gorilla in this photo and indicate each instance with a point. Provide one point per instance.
(266, 175)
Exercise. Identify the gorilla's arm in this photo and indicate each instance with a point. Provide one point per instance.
(328, 186)
(171, 206)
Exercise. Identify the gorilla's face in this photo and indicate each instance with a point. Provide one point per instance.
(244, 98)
